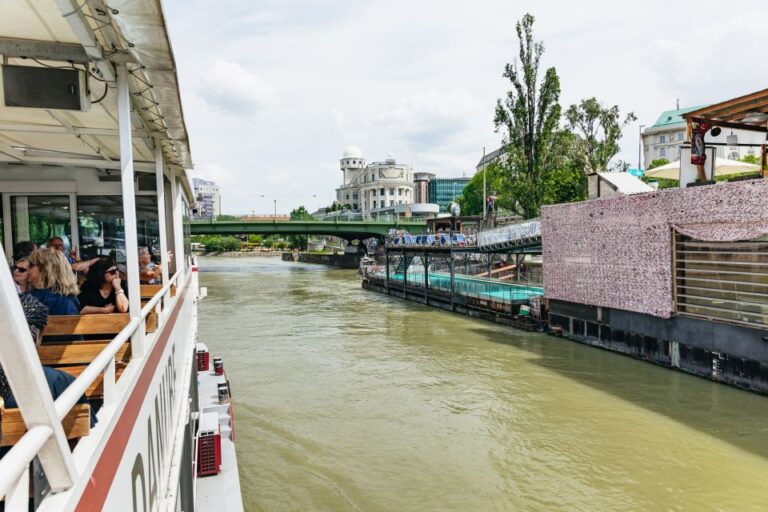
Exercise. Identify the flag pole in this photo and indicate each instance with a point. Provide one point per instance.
(485, 194)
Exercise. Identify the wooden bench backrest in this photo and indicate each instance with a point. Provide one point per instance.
(78, 352)
(150, 290)
(107, 325)
(112, 323)
(76, 424)
(96, 389)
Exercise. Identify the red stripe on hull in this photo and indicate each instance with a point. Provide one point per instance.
(96, 491)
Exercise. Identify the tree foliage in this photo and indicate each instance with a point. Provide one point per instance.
(225, 218)
(750, 159)
(658, 162)
(217, 243)
(299, 241)
(528, 117)
(598, 130)
(471, 200)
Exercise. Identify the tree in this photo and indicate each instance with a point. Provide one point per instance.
(255, 239)
(750, 159)
(657, 163)
(226, 218)
(598, 130)
(529, 117)
(566, 182)
(471, 200)
(299, 241)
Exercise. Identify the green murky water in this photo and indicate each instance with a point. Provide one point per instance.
(348, 400)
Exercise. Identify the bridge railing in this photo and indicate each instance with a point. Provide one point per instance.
(521, 233)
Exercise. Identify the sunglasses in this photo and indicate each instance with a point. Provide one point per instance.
(21, 270)
(112, 271)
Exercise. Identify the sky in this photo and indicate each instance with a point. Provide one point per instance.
(274, 90)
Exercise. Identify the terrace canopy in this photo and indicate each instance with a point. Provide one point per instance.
(723, 167)
(748, 112)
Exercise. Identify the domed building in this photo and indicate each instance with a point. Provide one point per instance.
(379, 188)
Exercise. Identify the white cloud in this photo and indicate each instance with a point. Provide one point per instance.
(212, 171)
(230, 87)
(274, 94)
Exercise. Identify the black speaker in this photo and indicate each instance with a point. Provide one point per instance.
(36, 87)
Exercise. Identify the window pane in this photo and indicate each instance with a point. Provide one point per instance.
(38, 218)
(102, 228)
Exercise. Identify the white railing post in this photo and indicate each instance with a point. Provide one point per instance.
(129, 206)
(21, 364)
(108, 382)
(160, 183)
(178, 226)
(17, 499)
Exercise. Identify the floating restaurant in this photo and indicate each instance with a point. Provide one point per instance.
(678, 277)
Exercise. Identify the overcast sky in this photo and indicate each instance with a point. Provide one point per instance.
(274, 90)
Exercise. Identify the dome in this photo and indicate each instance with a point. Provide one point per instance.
(353, 152)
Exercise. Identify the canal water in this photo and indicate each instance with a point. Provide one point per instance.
(348, 400)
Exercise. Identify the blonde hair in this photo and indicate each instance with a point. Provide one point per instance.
(54, 272)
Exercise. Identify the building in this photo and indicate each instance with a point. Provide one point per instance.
(444, 191)
(663, 139)
(611, 184)
(208, 199)
(378, 188)
(489, 158)
(421, 186)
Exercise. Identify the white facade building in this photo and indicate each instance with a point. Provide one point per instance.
(208, 198)
(378, 186)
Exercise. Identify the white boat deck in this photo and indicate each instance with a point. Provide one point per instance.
(219, 493)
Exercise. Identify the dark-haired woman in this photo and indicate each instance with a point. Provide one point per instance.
(102, 292)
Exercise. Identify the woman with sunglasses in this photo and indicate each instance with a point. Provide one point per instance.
(20, 273)
(102, 292)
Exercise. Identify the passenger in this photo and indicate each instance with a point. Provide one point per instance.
(57, 243)
(149, 271)
(23, 250)
(53, 282)
(20, 273)
(36, 315)
(103, 291)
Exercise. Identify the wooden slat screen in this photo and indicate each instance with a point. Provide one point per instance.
(722, 280)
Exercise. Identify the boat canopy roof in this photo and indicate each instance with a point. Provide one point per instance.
(748, 112)
(94, 36)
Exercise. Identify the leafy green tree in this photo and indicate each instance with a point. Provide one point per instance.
(471, 200)
(255, 239)
(598, 131)
(566, 182)
(299, 241)
(268, 243)
(657, 163)
(750, 159)
(225, 218)
(529, 117)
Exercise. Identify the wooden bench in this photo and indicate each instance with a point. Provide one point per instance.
(76, 424)
(74, 356)
(150, 290)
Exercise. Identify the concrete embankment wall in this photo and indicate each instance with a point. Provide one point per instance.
(728, 353)
(333, 260)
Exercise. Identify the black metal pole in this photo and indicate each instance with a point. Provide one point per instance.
(452, 281)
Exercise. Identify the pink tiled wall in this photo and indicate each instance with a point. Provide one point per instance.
(617, 252)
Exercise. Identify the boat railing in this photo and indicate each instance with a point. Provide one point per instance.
(14, 474)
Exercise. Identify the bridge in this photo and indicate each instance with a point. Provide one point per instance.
(349, 230)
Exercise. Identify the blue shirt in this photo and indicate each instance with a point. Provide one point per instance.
(57, 304)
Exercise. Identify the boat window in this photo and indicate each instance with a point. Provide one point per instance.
(102, 229)
(38, 218)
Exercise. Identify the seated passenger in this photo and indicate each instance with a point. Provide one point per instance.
(102, 291)
(36, 315)
(149, 271)
(53, 282)
(20, 272)
(57, 243)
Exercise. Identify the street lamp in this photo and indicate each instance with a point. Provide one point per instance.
(275, 201)
(640, 148)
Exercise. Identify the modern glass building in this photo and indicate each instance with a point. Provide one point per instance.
(443, 191)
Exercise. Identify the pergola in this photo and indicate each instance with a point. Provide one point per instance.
(749, 112)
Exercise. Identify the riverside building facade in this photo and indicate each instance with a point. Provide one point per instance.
(379, 188)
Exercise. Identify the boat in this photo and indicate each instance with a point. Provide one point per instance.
(94, 151)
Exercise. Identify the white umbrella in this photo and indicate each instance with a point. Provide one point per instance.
(723, 167)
